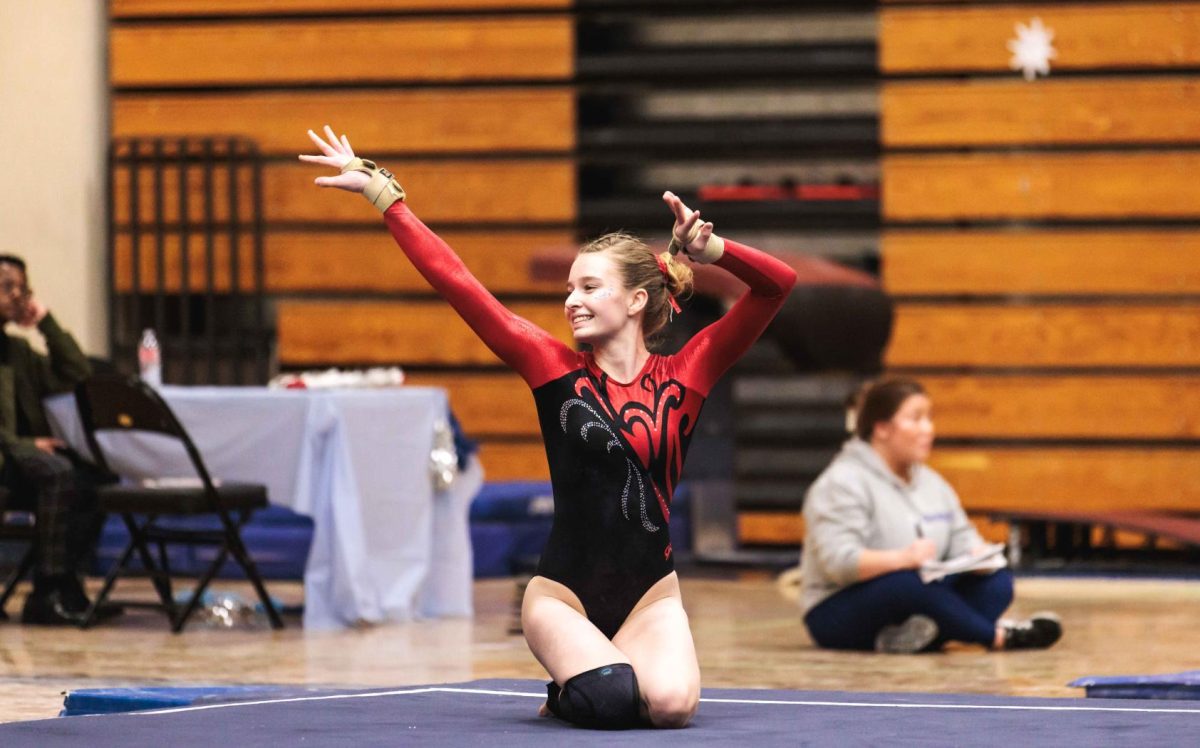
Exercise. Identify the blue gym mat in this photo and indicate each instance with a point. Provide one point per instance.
(88, 701)
(503, 712)
(1183, 686)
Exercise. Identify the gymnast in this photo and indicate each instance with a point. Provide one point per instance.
(603, 614)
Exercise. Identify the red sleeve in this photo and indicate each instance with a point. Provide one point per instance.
(711, 352)
(534, 353)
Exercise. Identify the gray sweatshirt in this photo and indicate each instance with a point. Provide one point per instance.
(858, 502)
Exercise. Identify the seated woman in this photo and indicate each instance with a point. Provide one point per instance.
(873, 518)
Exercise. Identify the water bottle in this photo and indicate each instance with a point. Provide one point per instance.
(150, 358)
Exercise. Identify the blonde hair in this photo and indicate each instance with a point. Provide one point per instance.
(639, 268)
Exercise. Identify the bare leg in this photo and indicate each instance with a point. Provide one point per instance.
(560, 635)
(655, 639)
(658, 641)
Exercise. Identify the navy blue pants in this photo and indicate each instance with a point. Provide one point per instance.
(965, 607)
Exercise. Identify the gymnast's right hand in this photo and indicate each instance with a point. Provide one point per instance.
(336, 153)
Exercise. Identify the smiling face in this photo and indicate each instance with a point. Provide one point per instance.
(907, 438)
(598, 304)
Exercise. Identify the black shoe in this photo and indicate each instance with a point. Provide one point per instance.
(50, 609)
(63, 603)
(78, 601)
(73, 596)
(1039, 632)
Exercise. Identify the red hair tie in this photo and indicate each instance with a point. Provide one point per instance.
(662, 267)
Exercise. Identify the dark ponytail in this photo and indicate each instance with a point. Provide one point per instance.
(880, 401)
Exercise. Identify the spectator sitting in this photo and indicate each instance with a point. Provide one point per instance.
(873, 518)
(39, 469)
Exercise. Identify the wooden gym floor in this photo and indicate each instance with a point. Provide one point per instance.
(747, 636)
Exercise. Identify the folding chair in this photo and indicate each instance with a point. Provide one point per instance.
(114, 403)
(19, 526)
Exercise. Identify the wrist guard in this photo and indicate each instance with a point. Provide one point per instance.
(383, 189)
(712, 250)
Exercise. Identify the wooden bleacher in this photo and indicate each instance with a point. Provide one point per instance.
(165, 9)
(354, 261)
(466, 191)
(1112, 111)
(367, 332)
(469, 120)
(1136, 334)
(471, 102)
(1041, 240)
(1066, 406)
(972, 37)
(341, 50)
(1046, 187)
(1042, 262)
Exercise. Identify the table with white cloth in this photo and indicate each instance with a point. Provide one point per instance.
(386, 545)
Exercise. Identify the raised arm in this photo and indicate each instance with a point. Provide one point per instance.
(711, 352)
(534, 353)
(65, 364)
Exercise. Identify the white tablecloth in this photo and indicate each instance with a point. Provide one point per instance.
(386, 546)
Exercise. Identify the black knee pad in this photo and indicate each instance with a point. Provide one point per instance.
(606, 698)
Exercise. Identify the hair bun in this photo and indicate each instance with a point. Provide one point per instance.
(680, 278)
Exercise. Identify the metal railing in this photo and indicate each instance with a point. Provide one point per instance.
(185, 258)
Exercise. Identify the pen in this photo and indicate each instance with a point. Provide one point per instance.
(920, 534)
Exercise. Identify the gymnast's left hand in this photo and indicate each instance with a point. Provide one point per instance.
(688, 225)
(336, 153)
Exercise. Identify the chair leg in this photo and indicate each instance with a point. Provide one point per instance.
(201, 585)
(233, 541)
(161, 585)
(110, 580)
(10, 584)
(256, 579)
(165, 566)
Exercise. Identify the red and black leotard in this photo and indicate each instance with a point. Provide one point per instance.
(615, 449)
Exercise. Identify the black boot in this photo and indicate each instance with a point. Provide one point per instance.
(59, 600)
(49, 604)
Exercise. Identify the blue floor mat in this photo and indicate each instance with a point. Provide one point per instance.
(88, 701)
(503, 712)
(1183, 686)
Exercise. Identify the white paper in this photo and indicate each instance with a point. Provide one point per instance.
(990, 558)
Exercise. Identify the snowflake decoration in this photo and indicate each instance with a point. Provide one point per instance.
(1033, 49)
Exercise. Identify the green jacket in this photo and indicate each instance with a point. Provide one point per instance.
(28, 377)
